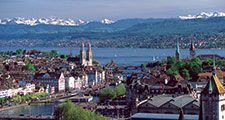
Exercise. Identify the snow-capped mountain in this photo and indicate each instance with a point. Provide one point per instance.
(203, 15)
(49, 21)
(107, 21)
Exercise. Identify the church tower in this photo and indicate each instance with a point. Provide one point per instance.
(83, 55)
(212, 101)
(192, 49)
(177, 54)
(89, 55)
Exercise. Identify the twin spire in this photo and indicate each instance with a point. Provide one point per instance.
(86, 59)
(192, 50)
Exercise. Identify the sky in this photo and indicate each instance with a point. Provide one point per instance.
(111, 9)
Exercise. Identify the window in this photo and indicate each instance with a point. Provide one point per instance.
(223, 107)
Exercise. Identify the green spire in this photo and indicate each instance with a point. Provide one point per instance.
(210, 87)
(214, 65)
(177, 47)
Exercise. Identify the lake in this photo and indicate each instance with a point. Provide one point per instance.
(38, 109)
(125, 56)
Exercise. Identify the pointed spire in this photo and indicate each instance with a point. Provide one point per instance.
(177, 51)
(192, 49)
(210, 87)
(214, 65)
(177, 47)
(181, 115)
(83, 55)
(82, 46)
(71, 54)
(89, 55)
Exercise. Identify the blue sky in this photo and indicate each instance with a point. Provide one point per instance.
(112, 9)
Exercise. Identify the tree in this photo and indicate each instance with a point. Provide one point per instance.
(29, 67)
(185, 74)
(195, 66)
(120, 90)
(172, 70)
(68, 111)
(19, 51)
(53, 53)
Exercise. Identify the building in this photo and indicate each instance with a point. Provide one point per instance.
(83, 55)
(192, 50)
(54, 80)
(160, 116)
(95, 77)
(212, 100)
(86, 59)
(70, 83)
(177, 54)
(169, 104)
(89, 55)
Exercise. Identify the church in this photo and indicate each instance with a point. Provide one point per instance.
(86, 59)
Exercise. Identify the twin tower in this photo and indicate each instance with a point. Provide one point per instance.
(86, 59)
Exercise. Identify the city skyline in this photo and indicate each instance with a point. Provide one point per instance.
(112, 9)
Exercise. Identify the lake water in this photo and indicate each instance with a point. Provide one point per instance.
(125, 56)
(39, 109)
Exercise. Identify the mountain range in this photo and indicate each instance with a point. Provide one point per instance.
(79, 22)
(67, 29)
(48, 21)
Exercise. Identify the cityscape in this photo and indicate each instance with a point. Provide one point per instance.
(131, 61)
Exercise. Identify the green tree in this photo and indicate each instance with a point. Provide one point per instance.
(68, 111)
(195, 66)
(185, 74)
(53, 53)
(173, 70)
(19, 51)
(120, 90)
(29, 67)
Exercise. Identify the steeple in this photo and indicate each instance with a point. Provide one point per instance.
(71, 54)
(89, 55)
(192, 49)
(177, 51)
(212, 99)
(83, 55)
(214, 65)
(181, 115)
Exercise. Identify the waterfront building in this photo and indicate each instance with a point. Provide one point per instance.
(78, 83)
(55, 80)
(28, 88)
(177, 54)
(95, 77)
(70, 83)
(192, 50)
(212, 100)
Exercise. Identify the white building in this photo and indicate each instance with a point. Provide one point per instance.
(61, 82)
(70, 83)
